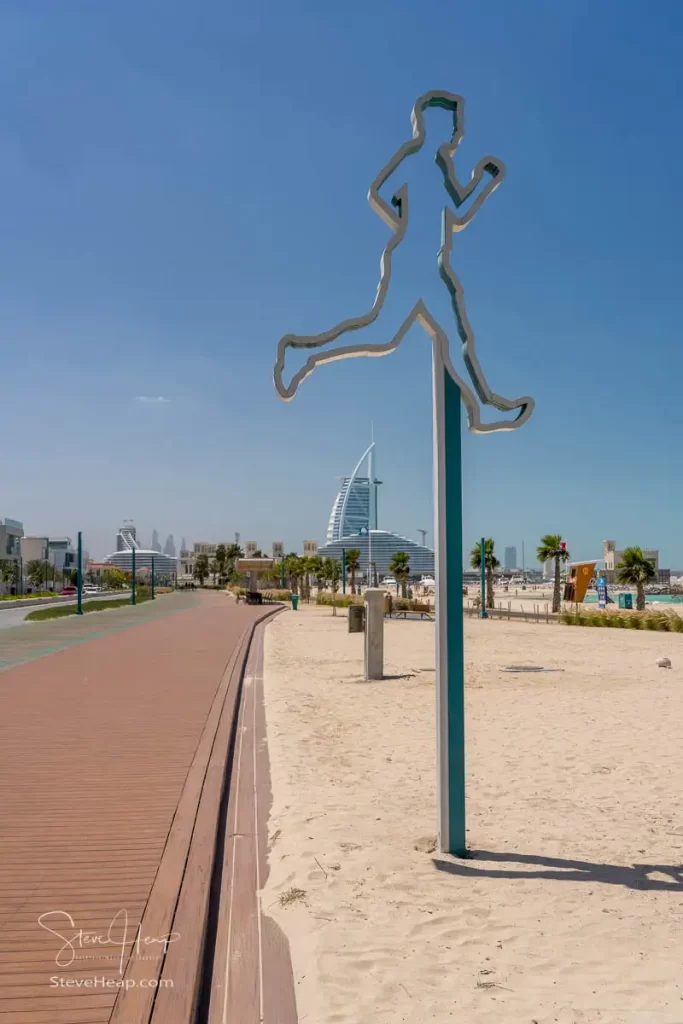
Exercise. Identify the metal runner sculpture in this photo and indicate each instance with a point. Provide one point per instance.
(448, 389)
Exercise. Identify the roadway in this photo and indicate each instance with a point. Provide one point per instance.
(17, 616)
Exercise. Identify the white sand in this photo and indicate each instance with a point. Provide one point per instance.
(580, 766)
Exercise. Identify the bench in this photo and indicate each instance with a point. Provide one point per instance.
(423, 610)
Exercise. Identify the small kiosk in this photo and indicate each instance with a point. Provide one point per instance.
(580, 575)
(252, 567)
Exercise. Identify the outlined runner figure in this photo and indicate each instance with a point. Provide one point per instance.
(395, 215)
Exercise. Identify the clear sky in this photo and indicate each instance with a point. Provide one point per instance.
(183, 183)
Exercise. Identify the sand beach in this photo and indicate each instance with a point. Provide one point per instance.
(570, 907)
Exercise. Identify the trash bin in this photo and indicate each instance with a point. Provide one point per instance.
(626, 601)
(295, 602)
(356, 618)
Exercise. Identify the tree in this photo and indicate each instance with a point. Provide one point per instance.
(9, 570)
(37, 571)
(552, 546)
(233, 552)
(400, 568)
(113, 579)
(294, 570)
(201, 568)
(309, 567)
(215, 569)
(635, 571)
(331, 571)
(221, 559)
(491, 563)
(353, 565)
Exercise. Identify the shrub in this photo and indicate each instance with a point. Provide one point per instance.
(277, 595)
(341, 600)
(665, 622)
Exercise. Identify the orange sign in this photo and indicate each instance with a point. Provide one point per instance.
(580, 575)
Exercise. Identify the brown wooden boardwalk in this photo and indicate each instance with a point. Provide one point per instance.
(113, 754)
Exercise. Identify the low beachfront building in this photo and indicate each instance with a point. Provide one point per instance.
(165, 566)
(612, 557)
(378, 547)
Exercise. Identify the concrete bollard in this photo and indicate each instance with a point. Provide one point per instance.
(374, 633)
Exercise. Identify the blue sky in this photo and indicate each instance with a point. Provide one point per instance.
(182, 184)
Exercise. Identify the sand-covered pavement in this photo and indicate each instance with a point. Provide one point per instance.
(571, 909)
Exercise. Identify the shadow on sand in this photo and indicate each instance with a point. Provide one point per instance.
(637, 876)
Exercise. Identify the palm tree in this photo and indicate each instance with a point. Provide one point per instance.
(294, 570)
(221, 557)
(635, 570)
(233, 552)
(331, 571)
(215, 569)
(353, 565)
(400, 568)
(201, 568)
(552, 546)
(491, 563)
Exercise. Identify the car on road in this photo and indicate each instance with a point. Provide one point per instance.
(388, 581)
(89, 589)
(68, 591)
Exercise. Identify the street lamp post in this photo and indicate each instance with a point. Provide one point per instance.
(79, 575)
(132, 593)
(483, 614)
(153, 597)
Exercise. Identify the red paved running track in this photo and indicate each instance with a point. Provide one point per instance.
(96, 742)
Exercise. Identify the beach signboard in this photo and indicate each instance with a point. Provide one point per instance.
(602, 592)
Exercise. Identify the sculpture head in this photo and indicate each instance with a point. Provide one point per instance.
(443, 113)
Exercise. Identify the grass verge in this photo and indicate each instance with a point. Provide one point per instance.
(59, 611)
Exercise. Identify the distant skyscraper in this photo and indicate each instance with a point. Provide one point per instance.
(355, 507)
(126, 538)
(156, 546)
(510, 558)
(353, 525)
(183, 544)
(169, 546)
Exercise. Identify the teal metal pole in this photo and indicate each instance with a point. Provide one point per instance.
(79, 576)
(451, 652)
(132, 593)
(483, 614)
(343, 570)
(282, 574)
(153, 597)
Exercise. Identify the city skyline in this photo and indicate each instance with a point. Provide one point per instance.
(96, 173)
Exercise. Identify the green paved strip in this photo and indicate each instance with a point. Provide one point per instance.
(19, 644)
(60, 612)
